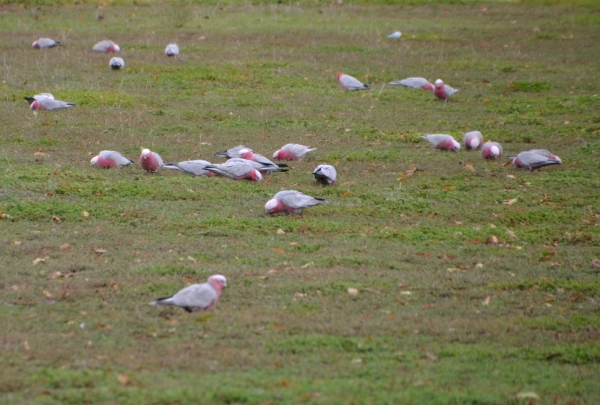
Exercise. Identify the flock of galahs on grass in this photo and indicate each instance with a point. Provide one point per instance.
(244, 164)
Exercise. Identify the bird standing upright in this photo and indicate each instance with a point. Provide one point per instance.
(150, 161)
(442, 91)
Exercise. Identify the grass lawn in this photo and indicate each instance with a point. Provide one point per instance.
(478, 283)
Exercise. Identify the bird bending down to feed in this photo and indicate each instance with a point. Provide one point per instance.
(45, 43)
(236, 170)
(350, 83)
(491, 150)
(116, 63)
(233, 152)
(191, 167)
(172, 50)
(106, 46)
(109, 159)
(325, 175)
(473, 140)
(196, 297)
(291, 201)
(441, 141)
(292, 151)
(46, 101)
(414, 83)
(150, 161)
(532, 160)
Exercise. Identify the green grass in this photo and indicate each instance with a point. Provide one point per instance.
(442, 314)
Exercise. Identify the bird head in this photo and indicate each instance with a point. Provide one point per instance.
(116, 48)
(271, 205)
(246, 154)
(94, 160)
(456, 145)
(218, 278)
(439, 83)
(145, 152)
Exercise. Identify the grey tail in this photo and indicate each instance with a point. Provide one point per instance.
(221, 154)
(159, 301)
(282, 165)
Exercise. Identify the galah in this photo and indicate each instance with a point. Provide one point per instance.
(150, 161)
(443, 91)
(45, 43)
(491, 150)
(233, 152)
(414, 83)
(292, 151)
(547, 153)
(191, 167)
(261, 167)
(106, 46)
(395, 35)
(291, 201)
(116, 63)
(249, 155)
(31, 99)
(46, 101)
(109, 159)
(350, 83)
(236, 170)
(325, 175)
(172, 50)
(196, 297)
(473, 140)
(441, 141)
(532, 160)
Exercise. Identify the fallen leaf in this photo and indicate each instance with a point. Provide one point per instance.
(353, 292)
(528, 395)
(298, 294)
(596, 263)
(47, 294)
(492, 240)
(470, 167)
(56, 219)
(65, 246)
(411, 171)
(346, 194)
(26, 345)
(479, 266)
(280, 232)
(356, 361)
(449, 256)
(285, 383)
(85, 214)
(405, 292)
(123, 379)
(510, 176)
(511, 234)
(278, 250)
(304, 266)
(487, 300)
(510, 202)
(99, 251)
(273, 271)
(39, 153)
(40, 260)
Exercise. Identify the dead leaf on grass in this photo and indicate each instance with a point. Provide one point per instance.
(298, 294)
(470, 167)
(40, 260)
(492, 240)
(123, 379)
(56, 219)
(353, 292)
(487, 300)
(65, 246)
(99, 251)
(280, 232)
(510, 201)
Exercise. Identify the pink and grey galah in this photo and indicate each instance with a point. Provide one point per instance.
(196, 297)
(292, 151)
(249, 155)
(233, 152)
(116, 63)
(191, 167)
(442, 141)
(532, 160)
(291, 201)
(414, 83)
(110, 159)
(106, 46)
(46, 101)
(236, 170)
(473, 140)
(546, 153)
(325, 175)
(491, 150)
(172, 50)
(350, 83)
(45, 43)
(150, 161)
(443, 91)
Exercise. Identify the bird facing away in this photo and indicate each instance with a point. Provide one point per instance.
(395, 35)
(172, 50)
(45, 43)
(292, 151)
(325, 175)
(191, 167)
(441, 141)
(291, 201)
(106, 46)
(46, 101)
(116, 63)
(442, 91)
(150, 161)
(196, 297)
(473, 140)
(236, 170)
(491, 150)
(109, 159)
(532, 160)
(232, 152)
(350, 83)
(414, 83)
